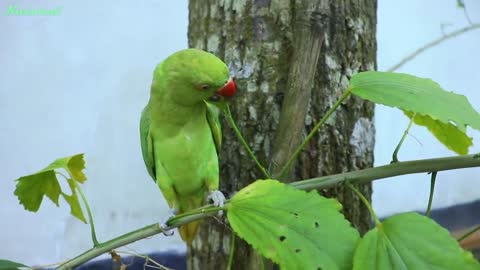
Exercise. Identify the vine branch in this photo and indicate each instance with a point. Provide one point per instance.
(355, 177)
(139, 234)
(394, 169)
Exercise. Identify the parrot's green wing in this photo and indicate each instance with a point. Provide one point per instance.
(145, 141)
(213, 118)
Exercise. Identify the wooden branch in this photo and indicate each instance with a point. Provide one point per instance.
(308, 39)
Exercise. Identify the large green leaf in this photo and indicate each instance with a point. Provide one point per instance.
(30, 189)
(444, 113)
(411, 241)
(296, 229)
(452, 137)
(9, 265)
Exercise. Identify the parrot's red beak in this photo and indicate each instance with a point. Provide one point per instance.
(228, 90)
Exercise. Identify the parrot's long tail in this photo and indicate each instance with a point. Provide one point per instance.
(188, 231)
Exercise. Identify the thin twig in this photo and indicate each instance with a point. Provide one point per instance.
(432, 44)
(87, 206)
(324, 119)
(430, 197)
(89, 212)
(232, 251)
(147, 259)
(472, 231)
(405, 133)
(461, 4)
(244, 143)
(366, 203)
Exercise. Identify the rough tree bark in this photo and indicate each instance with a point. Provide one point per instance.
(292, 59)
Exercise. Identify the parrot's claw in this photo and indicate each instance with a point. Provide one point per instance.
(167, 231)
(218, 199)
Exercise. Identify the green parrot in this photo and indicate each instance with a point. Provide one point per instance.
(180, 131)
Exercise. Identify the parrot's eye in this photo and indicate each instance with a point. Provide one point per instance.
(205, 87)
(215, 98)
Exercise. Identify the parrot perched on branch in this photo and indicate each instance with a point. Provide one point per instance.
(180, 131)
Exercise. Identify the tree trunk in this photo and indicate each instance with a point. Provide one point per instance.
(292, 59)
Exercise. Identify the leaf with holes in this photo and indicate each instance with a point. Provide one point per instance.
(411, 241)
(31, 189)
(445, 114)
(296, 229)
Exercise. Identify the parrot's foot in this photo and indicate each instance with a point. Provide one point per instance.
(218, 199)
(167, 231)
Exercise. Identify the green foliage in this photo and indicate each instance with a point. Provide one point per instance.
(445, 114)
(72, 200)
(296, 229)
(448, 134)
(303, 230)
(31, 189)
(9, 265)
(411, 241)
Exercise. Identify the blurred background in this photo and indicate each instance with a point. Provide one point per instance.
(77, 82)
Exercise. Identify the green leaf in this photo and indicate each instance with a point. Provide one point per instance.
(72, 200)
(73, 165)
(30, 189)
(9, 265)
(411, 241)
(460, 4)
(452, 137)
(296, 229)
(445, 114)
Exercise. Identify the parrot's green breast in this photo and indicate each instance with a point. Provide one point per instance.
(187, 152)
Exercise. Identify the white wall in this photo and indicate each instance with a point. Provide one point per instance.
(403, 26)
(78, 82)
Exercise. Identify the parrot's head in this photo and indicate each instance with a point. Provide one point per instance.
(193, 76)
